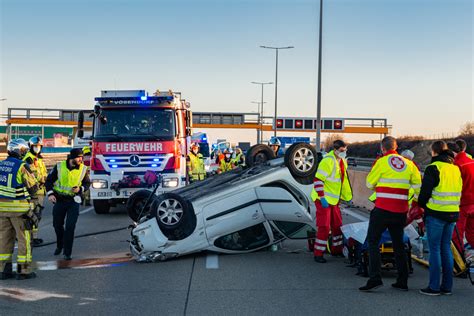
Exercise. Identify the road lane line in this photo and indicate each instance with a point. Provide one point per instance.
(212, 261)
(86, 210)
(355, 215)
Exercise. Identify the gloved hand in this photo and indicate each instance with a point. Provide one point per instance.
(324, 203)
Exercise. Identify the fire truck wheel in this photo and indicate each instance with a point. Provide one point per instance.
(101, 206)
(135, 204)
(175, 215)
(302, 161)
(258, 154)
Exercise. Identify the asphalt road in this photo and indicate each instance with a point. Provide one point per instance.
(102, 280)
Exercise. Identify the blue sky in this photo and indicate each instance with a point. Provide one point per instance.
(407, 60)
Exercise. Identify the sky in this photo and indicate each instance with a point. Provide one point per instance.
(409, 61)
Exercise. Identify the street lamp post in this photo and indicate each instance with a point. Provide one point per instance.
(276, 82)
(260, 134)
(318, 114)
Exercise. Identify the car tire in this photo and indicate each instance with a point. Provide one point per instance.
(101, 206)
(175, 215)
(258, 154)
(302, 161)
(135, 204)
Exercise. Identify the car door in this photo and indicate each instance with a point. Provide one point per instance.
(285, 213)
(277, 203)
(232, 212)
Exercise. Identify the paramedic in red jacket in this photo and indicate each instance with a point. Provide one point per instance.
(465, 222)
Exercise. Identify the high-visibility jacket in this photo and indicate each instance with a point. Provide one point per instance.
(13, 192)
(67, 179)
(330, 181)
(225, 166)
(239, 160)
(38, 168)
(446, 197)
(391, 177)
(196, 167)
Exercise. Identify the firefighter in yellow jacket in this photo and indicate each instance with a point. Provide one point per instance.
(226, 164)
(17, 198)
(195, 164)
(331, 185)
(38, 168)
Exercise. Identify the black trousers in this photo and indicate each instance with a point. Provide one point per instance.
(62, 210)
(379, 221)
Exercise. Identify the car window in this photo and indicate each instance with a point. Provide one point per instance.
(293, 230)
(245, 239)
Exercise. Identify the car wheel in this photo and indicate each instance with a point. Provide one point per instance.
(258, 154)
(101, 206)
(175, 215)
(302, 161)
(135, 204)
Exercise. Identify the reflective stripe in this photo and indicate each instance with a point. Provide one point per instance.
(318, 183)
(21, 259)
(10, 176)
(439, 202)
(392, 196)
(319, 247)
(386, 180)
(331, 195)
(28, 245)
(416, 186)
(419, 220)
(434, 193)
(333, 179)
(319, 189)
(322, 242)
(337, 237)
(5, 257)
(324, 173)
(337, 243)
(369, 185)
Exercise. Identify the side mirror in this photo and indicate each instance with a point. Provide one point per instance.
(80, 124)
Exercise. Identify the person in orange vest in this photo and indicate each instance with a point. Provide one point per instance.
(391, 177)
(331, 185)
(465, 224)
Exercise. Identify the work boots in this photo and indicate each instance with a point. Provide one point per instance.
(7, 272)
(24, 276)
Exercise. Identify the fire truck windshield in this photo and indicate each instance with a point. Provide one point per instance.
(142, 124)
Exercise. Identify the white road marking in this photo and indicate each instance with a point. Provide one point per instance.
(212, 261)
(29, 295)
(86, 210)
(355, 215)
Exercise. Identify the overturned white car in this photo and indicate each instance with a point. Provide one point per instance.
(235, 212)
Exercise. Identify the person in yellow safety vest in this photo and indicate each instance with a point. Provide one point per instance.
(440, 196)
(18, 188)
(463, 146)
(195, 164)
(331, 185)
(239, 159)
(64, 185)
(391, 177)
(226, 164)
(37, 166)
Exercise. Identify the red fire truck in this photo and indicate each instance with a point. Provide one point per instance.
(134, 134)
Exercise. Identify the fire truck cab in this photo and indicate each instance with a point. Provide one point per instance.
(134, 134)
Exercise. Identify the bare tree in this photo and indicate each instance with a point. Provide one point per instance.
(467, 129)
(330, 139)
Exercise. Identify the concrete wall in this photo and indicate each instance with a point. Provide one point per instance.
(360, 191)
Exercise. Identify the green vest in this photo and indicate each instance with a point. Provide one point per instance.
(329, 172)
(196, 167)
(67, 179)
(446, 197)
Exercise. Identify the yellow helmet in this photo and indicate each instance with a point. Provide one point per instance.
(86, 150)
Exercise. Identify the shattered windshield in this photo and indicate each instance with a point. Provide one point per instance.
(149, 124)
